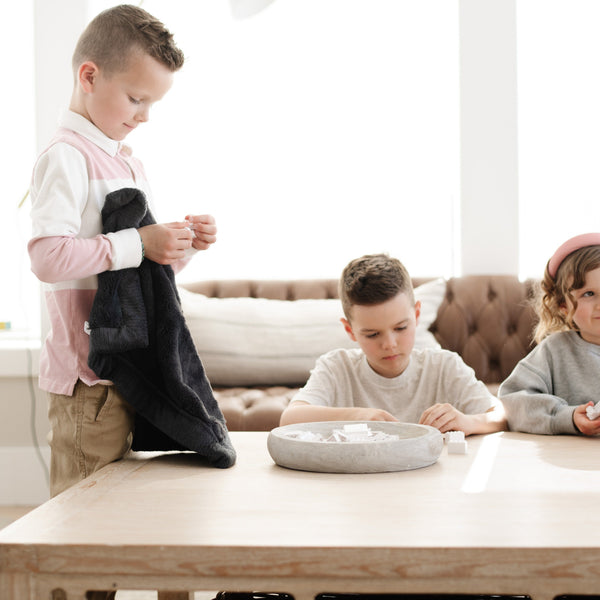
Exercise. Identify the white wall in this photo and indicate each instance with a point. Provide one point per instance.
(23, 420)
(57, 26)
(24, 452)
(488, 135)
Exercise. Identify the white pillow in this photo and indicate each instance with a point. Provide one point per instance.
(257, 341)
(431, 295)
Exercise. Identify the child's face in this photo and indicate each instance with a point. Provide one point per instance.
(385, 332)
(119, 103)
(587, 314)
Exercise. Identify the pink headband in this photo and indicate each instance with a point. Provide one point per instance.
(575, 243)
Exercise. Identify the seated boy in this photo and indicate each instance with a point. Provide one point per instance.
(386, 379)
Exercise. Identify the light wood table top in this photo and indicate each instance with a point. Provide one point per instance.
(518, 514)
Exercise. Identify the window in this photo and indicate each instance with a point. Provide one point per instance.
(319, 130)
(315, 131)
(559, 125)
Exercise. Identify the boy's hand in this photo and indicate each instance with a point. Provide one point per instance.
(303, 412)
(167, 242)
(204, 229)
(582, 422)
(445, 417)
(372, 414)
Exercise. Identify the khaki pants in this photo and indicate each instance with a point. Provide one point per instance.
(90, 429)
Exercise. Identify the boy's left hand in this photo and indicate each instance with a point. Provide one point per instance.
(445, 417)
(205, 231)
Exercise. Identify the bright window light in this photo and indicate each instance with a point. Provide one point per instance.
(315, 131)
(559, 125)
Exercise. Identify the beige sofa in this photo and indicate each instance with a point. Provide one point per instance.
(259, 339)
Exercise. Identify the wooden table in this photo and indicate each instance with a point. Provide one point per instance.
(518, 514)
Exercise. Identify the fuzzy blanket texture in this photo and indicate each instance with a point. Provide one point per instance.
(140, 341)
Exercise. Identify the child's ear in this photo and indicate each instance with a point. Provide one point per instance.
(86, 75)
(417, 310)
(348, 329)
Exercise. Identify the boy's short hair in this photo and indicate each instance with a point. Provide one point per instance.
(113, 36)
(373, 279)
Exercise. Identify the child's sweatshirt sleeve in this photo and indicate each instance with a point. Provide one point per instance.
(529, 401)
(66, 241)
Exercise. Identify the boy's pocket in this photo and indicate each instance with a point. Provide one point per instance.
(104, 403)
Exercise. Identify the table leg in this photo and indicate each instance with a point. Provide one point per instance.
(14, 586)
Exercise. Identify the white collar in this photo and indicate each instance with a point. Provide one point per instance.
(79, 124)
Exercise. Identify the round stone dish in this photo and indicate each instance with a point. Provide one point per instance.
(418, 446)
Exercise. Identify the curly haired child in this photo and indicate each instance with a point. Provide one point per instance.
(550, 390)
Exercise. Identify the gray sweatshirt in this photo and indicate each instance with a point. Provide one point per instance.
(541, 393)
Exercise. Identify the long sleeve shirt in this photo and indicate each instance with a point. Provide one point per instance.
(541, 393)
(70, 181)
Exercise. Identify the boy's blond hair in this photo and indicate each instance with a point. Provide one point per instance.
(113, 36)
(554, 292)
(373, 279)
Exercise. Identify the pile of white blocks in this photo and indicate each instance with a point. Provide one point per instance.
(351, 432)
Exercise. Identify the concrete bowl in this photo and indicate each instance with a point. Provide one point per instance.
(418, 446)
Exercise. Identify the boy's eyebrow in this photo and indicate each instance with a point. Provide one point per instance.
(366, 329)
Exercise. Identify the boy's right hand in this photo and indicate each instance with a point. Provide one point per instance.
(167, 242)
(303, 412)
(372, 414)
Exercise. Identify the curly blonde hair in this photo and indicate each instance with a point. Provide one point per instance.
(555, 303)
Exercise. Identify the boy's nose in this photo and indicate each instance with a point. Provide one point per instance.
(143, 114)
(389, 340)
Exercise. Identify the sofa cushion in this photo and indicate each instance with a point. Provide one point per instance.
(259, 341)
(252, 408)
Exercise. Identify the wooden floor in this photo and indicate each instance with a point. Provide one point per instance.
(8, 514)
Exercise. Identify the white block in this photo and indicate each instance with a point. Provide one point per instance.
(455, 440)
(593, 412)
(355, 427)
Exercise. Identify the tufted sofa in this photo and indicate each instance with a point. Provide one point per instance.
(487, 319)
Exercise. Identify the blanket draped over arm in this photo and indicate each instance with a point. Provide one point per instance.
(139, 340)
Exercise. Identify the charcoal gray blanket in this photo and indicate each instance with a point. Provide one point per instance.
(139, 340)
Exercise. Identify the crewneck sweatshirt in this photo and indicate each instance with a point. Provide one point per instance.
(541, 393)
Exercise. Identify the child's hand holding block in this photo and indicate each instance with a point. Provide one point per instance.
(593, 412)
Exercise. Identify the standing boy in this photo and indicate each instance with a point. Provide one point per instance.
(386, 379)
(123, 63)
